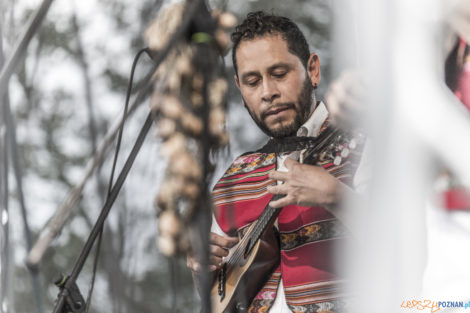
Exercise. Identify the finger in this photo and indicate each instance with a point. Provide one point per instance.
(332, 102)
(280, 203)
(333, 108)
(223, 241)
(216, 261)
(277, 190)
(193, 265)
(338, 92)
(218, 251)
(290, 163)
(196, 267)
(277, 175)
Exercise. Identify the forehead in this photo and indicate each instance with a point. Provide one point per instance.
(262, 52)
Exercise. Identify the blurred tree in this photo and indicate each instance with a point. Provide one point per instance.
(314, 19)
(66, 93)
(50, 114)
(5, 259)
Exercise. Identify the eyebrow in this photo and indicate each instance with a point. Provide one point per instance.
(278, 65)
(272, 68)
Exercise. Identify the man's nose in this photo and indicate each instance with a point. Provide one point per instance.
(270, 91)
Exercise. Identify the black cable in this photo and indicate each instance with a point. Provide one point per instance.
(113, 170)
(70, 281)
(157, 57)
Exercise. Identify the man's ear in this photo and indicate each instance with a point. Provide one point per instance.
(313, 69)
(237, 82)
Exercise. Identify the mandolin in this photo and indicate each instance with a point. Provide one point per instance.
(249, 263)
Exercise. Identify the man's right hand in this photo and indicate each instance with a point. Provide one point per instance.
(219, 246)
(345, 99)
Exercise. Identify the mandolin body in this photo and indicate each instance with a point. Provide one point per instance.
(245, 279)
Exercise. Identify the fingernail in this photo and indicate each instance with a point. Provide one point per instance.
(212, 268)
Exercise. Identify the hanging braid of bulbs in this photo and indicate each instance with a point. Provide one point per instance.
(178, 104)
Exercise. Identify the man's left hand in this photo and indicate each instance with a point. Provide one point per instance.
(304, 185)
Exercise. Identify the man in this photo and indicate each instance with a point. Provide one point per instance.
(276, 75)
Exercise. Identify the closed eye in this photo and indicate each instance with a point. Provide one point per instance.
(279, 75)
(252, 83)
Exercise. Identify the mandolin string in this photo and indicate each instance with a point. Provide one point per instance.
(255, 233)
(238, 254)
(248, 238)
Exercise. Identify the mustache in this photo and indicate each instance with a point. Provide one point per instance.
(276, 107)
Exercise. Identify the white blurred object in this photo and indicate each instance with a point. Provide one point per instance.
(447, 275)
(458, 17)
(413, 119)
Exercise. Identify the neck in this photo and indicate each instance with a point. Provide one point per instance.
(313, 106)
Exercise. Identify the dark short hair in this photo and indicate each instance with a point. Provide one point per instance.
(259, 24)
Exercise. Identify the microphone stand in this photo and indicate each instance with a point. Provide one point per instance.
(69, 298)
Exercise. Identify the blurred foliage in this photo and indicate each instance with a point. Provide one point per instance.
(314, 19)
(49, 107)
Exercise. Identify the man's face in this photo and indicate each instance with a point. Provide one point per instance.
(275, 86)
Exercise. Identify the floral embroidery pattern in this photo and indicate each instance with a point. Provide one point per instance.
(250, 162)
(314, 232)
(265, 298)
(332, 306)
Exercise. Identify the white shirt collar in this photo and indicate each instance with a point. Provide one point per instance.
(313, 124)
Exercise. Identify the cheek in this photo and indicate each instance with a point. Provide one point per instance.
(292, 89)
(249, 94)
(250, 102)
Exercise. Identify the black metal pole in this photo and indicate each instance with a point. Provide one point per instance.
(102, 217)
(68, 288)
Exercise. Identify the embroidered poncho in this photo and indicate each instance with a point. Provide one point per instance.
(308, 235)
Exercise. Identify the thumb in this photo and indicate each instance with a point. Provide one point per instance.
(289, 163)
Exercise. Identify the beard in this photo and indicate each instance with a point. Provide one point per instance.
(304, 101)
